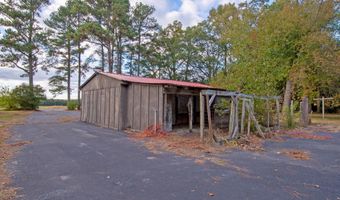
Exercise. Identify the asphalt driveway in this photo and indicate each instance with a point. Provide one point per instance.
(80, 161)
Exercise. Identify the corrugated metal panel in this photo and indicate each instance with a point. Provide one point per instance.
(136, 79)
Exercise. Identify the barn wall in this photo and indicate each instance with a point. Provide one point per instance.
(142, 102)
(101, 99)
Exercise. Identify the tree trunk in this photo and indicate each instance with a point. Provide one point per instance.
(68, 70)
(139, 52)
(30, 70)
(109, 55)
(30, 54)
(119, 54)
(287, 96)
(79, 72)
(103, 57)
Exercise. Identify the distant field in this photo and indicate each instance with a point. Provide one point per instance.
(52, 107)
(329, 119)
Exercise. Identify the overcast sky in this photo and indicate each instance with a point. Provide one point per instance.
(189, 12)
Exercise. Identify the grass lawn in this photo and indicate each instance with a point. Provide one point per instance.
(329, 119)
(52, 107)
(8, 119)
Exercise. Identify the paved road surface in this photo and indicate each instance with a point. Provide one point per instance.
(78, 161)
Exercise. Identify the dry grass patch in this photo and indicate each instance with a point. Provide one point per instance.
(68, 119)
(296, 154)
(8, 119)
(52, 108)
(187, 145)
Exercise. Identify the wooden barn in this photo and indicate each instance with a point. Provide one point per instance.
(120, 102)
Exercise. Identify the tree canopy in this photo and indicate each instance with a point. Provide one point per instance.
(288, 48)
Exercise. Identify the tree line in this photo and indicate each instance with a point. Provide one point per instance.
(285, 47)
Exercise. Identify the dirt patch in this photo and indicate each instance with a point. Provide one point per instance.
(296, 154)
(7, 120)
(68, 119)
(187, 145)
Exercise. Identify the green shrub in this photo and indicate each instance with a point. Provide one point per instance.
(6, 99)
(22, 97)
(72, 105)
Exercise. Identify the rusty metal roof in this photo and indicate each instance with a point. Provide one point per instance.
(144, 80)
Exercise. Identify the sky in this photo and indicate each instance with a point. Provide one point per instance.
(189, 12)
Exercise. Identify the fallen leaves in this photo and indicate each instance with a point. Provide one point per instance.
(296, 154)
(8, 119)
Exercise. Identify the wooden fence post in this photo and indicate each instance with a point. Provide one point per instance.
(323, 107)
(304, 115)
(190, 112)
(201, 116)
(243, 115)
(277, 113)
(231, 117)
(268, 114)
(209, 117)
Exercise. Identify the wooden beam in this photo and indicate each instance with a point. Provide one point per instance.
(243, 115)
(209, 118)
(211, 100)
(235, 126)
(257, 125)
(241, 95)
(201, 116)
(231, 117)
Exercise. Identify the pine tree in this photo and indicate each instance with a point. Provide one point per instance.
(144, 27)
(21, 44)
(61, 50)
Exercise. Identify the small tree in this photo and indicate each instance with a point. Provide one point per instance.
(22, 97)
(6, 100)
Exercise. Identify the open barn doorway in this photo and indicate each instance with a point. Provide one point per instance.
(182, 112)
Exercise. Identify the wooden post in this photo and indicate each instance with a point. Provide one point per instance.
(277, 113)
(155, 121)
(292, 109)
(209, 117)
(231, 117)
(304, 115)
(268, 114)
(165, 100)
(201, 116)
(243, 115)
(257, 125)
(323, 107)
(235, 126)
(190, 113)
(167, 114)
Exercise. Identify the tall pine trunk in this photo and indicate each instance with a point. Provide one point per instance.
(30, 54)
(79, 62)
(119, 54)
(30, 70)
(68, 70)
(109, 57)
(79, 72)
(139, 51)
(102, 57)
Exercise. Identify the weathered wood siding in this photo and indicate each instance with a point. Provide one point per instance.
(143, 100)
(101, 102)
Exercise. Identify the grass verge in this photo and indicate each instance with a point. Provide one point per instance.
(7, 120)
